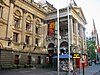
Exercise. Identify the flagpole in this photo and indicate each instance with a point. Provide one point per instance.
(68, 4)
(58, 41)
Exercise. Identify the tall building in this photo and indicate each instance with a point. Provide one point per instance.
(29, 32)
(77, 24)
(23, 30)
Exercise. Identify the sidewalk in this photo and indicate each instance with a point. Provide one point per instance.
(90, 70)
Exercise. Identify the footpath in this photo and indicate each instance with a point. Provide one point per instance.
(91, 70)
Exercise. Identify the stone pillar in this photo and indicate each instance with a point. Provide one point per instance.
(31, 38)
(42, 34)
(23, 26)
(33, 31)
(77, 33)
(10, 21)
(71, 29)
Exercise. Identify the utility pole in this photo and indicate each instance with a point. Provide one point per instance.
(58, 40)
(68, 4)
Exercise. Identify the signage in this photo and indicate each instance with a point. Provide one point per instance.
(51, 28)
(76, 55)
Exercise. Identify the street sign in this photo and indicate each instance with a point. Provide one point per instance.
(76, 55)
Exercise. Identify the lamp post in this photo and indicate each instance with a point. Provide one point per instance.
(83, 64)
(68, 4)
(58, 41)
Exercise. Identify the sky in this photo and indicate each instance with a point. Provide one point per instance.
(90, 8)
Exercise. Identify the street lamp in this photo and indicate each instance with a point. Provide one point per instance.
(83, 63)
(24, 45)
(68, 3)
(58, 42)
(10, 40)
(68, 14)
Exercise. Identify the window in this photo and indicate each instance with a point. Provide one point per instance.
(28, 26)
(74, 24)
(39, 60)
(37, 29)
(79, 31)
(29, 60)
(36, 41)
(1, 11)
(16, 61)
(17, 22)
(27, 39)
(15, 37)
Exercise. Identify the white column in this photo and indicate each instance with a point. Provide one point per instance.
(77, 33)
(71, 29)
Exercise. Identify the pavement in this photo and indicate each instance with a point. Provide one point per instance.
(89, 70)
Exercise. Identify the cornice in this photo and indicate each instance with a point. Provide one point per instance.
(33, 5)
(73, 8)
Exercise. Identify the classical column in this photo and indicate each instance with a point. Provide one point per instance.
(77, 40)
(71, 29)
(23, 26)
(33, 31)
(10, 20)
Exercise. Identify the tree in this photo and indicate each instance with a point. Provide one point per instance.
(91, 49)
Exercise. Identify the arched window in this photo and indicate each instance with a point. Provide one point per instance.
(37, 26)
(28, 23)
(17, 19)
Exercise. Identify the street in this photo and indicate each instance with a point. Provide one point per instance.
(90, 70)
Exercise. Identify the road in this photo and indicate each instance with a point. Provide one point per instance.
(90, 70)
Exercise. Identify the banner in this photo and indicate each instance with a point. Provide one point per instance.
(51, 28)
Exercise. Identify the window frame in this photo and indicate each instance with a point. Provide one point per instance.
(27, 39)
(28, 26)
(15, 36)
(17, 24)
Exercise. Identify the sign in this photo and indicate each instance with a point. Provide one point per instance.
(51, 28)
(76, 55)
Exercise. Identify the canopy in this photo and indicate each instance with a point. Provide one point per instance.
(62, 56)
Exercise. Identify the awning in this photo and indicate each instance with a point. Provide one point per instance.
(63, 56)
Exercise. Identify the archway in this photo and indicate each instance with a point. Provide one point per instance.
(64, 47)
(51, 48)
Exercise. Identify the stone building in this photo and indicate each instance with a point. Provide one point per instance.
(29, 31)
(77, 24)
(23, 28)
